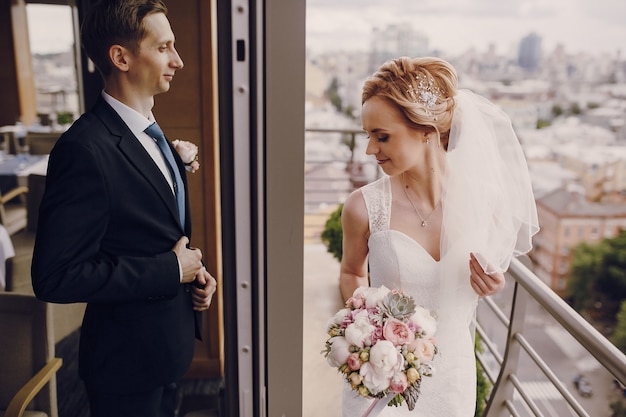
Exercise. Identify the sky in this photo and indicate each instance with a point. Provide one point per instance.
(49, 28)
(452, 26)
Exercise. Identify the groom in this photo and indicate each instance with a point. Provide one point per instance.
(112, 232)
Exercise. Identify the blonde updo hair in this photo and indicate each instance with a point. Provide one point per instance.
(399, 79)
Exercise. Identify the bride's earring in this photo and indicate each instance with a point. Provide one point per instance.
(427, 140)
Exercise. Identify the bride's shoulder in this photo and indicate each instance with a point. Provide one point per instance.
(354, 207)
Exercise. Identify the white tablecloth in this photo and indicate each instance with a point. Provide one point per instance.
(6, 251)
(39, 168)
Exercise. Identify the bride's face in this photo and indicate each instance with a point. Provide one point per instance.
(396, 146)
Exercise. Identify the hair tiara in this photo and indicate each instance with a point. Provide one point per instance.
(426, 92)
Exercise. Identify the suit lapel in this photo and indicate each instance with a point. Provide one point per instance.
(137, 156)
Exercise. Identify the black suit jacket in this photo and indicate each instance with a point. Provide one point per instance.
(107, 225)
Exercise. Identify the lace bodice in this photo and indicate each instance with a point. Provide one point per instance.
(398, 261)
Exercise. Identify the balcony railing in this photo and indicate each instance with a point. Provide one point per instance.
(534, 344)
(335, 164)
(511, 395)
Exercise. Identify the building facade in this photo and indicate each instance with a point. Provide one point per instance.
(567, 219)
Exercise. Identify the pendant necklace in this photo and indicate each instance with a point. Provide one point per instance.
(424, 220)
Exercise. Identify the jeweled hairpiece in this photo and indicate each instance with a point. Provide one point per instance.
(426, 92)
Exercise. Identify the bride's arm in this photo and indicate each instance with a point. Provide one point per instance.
(355, 226)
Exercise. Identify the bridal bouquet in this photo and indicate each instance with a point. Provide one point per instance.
(383, 344)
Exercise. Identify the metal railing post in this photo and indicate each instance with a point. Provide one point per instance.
(503, 390)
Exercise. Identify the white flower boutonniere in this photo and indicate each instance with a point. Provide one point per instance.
(188, 153)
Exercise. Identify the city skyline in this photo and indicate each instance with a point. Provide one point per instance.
(451, 26)
(455, 26)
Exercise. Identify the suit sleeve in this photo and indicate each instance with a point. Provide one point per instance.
(71, 262)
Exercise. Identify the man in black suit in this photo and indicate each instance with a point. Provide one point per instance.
(114, 223)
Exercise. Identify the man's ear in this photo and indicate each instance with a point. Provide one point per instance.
(119, 57)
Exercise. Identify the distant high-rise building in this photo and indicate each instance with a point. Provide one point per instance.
(395, 41)
(529, 55)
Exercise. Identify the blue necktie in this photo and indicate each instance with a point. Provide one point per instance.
(155, 132)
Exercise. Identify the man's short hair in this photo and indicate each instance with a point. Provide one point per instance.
(116, 22)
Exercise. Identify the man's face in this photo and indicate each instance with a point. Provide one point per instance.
(152, 69)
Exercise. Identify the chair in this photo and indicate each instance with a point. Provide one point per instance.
(27, 363)
(41, 143)
(13, 213)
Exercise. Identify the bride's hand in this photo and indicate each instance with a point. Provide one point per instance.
(483, 283)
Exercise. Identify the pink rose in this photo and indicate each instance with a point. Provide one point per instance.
(355, 303)
(194, 166)
(354, 361)
(424, 349)
(399, 383)
(398, 333)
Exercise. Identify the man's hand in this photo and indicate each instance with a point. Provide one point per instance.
(190, 259)
(203, 290)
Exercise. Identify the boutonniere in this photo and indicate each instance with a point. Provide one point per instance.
(188, 153)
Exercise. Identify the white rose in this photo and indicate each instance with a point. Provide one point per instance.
(385, 361)
(338, 318)
(339, 351)
(360, 331)
(425, 321)
(376, 296)
(186, 150)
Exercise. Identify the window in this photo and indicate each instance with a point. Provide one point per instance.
(52, 45)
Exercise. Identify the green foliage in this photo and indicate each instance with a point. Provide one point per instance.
(350, 111)
(585, 267)
(65, 117)
(598, 275)
(483, 387)
(542, 123)
(574, 108)
(557, 110)
(332, 236)
(619, 334)
(618, 409)
(332, 92)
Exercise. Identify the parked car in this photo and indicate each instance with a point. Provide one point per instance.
(582, 386)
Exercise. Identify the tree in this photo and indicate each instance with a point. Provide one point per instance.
(574, 109)
(332, 92)
(619, 334)
(557, 110)
(598, 276)
(618, 409)
(542, 123)
(584, 270)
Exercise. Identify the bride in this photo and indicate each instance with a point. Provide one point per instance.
(443, 223)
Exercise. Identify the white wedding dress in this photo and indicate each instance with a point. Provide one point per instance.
(398, 261)
(488, 208)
